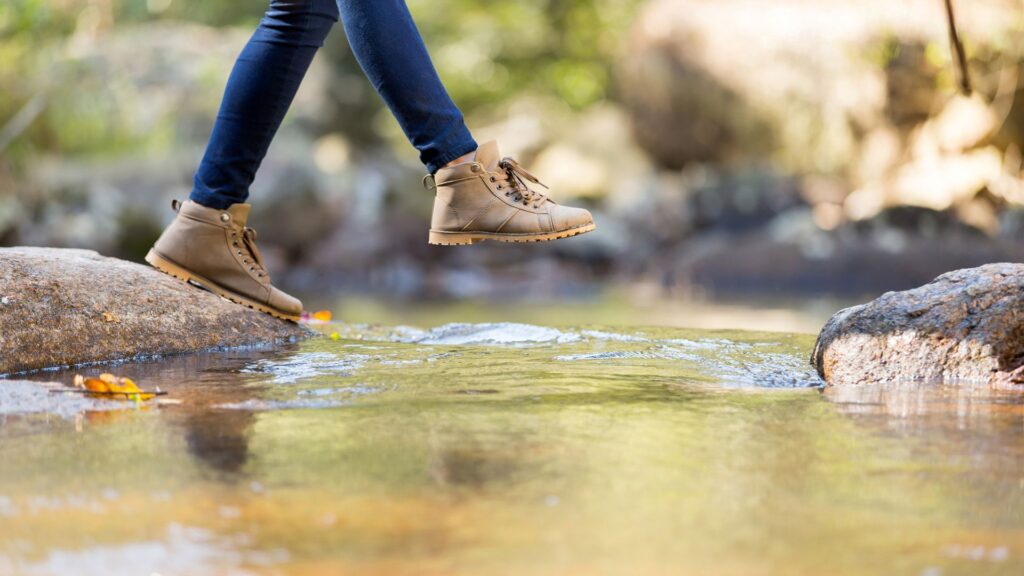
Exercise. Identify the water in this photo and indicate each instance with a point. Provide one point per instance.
(516, 449)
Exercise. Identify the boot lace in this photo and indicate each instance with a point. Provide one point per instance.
(250, 254)
(515, 176)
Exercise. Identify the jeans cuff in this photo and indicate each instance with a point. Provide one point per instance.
(215, 201)
(464, 146)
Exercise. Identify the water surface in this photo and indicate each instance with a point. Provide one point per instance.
(516, 449)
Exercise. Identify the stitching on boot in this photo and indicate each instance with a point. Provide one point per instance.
(507, 220)
(480, 214)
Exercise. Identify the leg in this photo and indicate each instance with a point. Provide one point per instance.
(208, 243)
(262, 85)
(391, 52)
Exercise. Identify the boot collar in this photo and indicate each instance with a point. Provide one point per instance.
(236, 215)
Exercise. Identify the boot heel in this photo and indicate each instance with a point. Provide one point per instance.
(167, 267)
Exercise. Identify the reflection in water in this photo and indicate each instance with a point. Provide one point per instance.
(511, 449)
(220, 439)
(910, 405)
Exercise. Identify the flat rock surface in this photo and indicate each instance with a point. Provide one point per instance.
(63, 307)
(964, 326)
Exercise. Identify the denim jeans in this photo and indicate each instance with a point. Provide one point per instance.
(270, 68)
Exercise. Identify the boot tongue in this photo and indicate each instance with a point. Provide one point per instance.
(239, 213)
(488, 155)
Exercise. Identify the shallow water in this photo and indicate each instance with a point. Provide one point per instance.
(516, 449)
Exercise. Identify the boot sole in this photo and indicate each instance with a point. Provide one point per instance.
(170, 268)
(441, 238)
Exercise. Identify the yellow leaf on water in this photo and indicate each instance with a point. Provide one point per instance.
(322, 315)
(109, 385)
(129, 389)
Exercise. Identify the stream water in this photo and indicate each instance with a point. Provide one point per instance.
(485, 449)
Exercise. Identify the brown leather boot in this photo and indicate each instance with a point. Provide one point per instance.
(489, 199)
(214, 249)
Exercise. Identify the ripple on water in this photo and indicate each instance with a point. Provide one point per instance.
(660, 352)
(307, 365)
(764, 370)
(734, 364)
(262, 405)
(459, 334)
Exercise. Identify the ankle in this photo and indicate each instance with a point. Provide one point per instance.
(461, 159)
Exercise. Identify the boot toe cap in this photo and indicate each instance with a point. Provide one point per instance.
(567, 218)
(284, 302)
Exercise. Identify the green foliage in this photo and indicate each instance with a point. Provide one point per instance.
(488, 53)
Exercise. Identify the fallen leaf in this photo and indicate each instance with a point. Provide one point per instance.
(108, 317)
(96, 385)
(318, 317)
(111, 386)
(335, 336)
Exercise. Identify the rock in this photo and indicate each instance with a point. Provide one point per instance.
(965, 326)
(64, 307)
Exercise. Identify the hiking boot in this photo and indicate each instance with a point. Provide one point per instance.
(215, 250)
(489, 199)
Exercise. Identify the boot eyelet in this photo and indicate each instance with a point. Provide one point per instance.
(493, 179)
(225, 217)
(475, 168)
(499, 187)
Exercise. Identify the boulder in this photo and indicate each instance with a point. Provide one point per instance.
(63, 307)
(966, 326)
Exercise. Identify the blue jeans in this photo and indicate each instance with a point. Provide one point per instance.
(268, 72)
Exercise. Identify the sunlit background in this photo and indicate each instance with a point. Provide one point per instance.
(749, 163)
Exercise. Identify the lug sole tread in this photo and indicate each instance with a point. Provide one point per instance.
(171, 269)
(441, 238)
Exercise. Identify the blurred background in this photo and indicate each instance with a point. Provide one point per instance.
(750, 163)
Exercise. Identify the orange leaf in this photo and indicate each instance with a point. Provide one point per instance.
(110, 385)
(322, 315)
(96, 385)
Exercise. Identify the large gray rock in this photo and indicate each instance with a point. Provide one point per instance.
(966, 326)
(62, 307)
